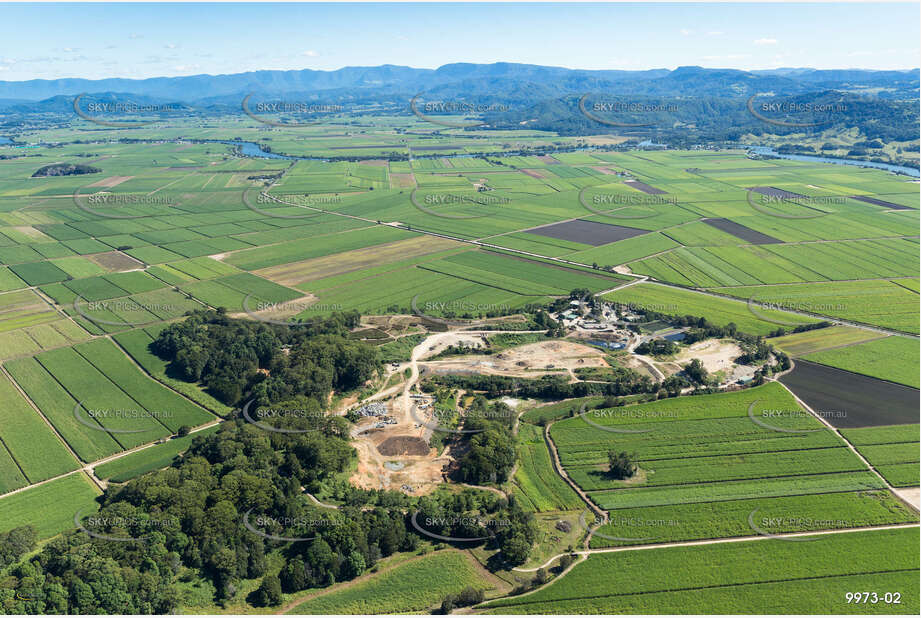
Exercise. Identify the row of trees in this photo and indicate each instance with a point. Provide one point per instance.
(622, 381)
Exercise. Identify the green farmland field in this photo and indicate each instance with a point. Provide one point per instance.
(167, 407)
(706, 520)
(50, 507)
(536, 482)
(136, 343)
(29, 439)
(714, 266)
(58, 407)
(654, 429)
(880, 303)
(893, 358)
(292, 251)
(152, 458)
(737, 577)
(801, 596)
(411, 587)
(102, 401)
(892, 450)
(750, 444)
(738, 490)
(558, 410)
(800, 344)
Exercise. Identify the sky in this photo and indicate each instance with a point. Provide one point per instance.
(50, 41)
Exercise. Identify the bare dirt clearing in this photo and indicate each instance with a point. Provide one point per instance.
(632, 362)
(604, 140)
(116, 260)
(111, 181)
(714, 354)
(33, 233)
(535, 173)
(912, 495)
(394, 453)
(527, 361)
(399, 181)
(603, 170)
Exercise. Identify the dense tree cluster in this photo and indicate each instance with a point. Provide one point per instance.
(65, 169)
(490, 452)
(755, 352)
(696, 372)
(465, 598)
(15, 543)
(657, 347)
(480, 517)
(187, 520)
(239, 360)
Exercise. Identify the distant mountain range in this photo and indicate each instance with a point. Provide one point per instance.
(697, 105)
(496, 81)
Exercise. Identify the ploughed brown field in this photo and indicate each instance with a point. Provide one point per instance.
(587, 232)
(740, 231)
(848, 399)
(642, 186)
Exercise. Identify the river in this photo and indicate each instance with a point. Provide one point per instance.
(896, 169)
(252, 149)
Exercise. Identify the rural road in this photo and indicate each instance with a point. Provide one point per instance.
(736, 539)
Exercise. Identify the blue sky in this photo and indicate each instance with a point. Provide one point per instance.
(146, 40)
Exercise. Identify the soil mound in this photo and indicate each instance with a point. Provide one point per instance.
(403, 445)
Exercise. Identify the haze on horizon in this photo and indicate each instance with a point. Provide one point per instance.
(140, 41)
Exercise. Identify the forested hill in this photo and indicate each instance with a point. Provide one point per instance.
(501, 80)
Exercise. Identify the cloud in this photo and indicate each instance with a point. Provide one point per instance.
(716, 33)
(170, 46)
(686, 32)
(310, 53)
(187, 67)
(135, 35)
(765, 41)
